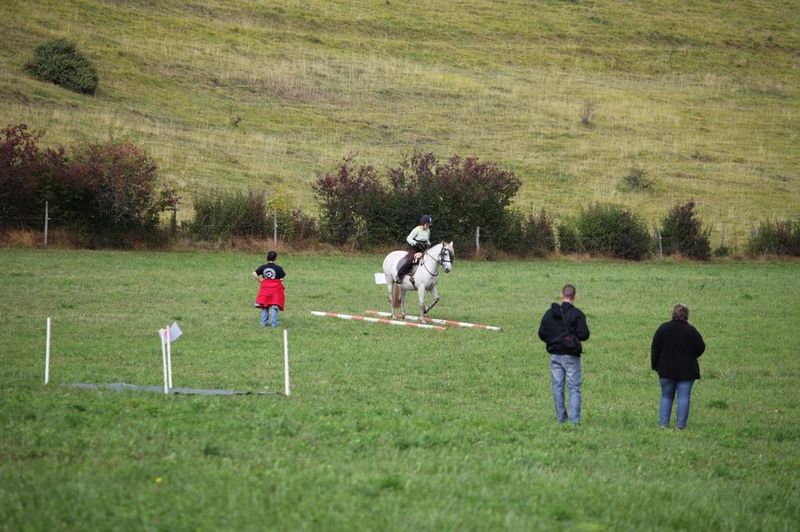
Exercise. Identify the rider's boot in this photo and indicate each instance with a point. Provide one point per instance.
(401, 272)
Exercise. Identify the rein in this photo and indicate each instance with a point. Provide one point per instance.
(439, 261)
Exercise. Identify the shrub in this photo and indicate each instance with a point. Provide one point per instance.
(587, 113)
(776, 238)
(223, 214)
(22, 169)
(682, 232)
(293, 224)
(568, 239)
(220, 215)
(468, 193)
(104, 188)
(348, 199)
(302, 226)
(613, 231)
(110, 187)
(540, 237)
(510, 238)
(721, 251)
(461, 193)
(636, 180)
(58, 62)
(528, 236)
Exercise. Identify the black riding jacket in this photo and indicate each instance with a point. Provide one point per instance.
(552, 329)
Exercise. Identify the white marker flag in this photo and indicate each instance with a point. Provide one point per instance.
(174, 332)
(380, 278)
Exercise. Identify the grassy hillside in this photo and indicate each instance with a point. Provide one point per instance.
(389, 428)
(703, 96)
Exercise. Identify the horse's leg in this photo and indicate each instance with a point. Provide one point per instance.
(397, 300)
(391, 297)
(402, 303)
(435, 293)
(422, 310)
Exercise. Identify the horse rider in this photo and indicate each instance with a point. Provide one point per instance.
(419, 239)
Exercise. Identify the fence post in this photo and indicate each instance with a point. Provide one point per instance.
(275, 228)
(173, 222)
(660, 250)
(722, 237)
(478, 240)
(46, 219)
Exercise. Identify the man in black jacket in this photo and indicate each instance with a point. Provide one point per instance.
(563, 328)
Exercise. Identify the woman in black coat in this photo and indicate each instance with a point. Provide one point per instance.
(673, 355)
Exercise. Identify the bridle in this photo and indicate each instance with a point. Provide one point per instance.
(439, 260)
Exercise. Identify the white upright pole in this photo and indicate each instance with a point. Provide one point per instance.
(47, 355)
(286, 362)
(169, 359)
(164, 359)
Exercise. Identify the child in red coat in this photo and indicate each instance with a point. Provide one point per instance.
(270, 297)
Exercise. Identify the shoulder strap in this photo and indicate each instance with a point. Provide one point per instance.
(564, 319)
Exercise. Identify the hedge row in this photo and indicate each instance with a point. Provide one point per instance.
(106, 189)
(776, 238)
(111, 189)
(361, 209)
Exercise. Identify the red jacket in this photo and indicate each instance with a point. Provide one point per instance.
(270, 292)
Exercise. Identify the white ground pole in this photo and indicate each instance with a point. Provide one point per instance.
(453, 323)
(47, 355)
(163, 334)
(286, 362)
(356, 317)
(169, 359)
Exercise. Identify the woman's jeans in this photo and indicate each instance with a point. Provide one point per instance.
(265, 315)
(668, 389)
(566, 367)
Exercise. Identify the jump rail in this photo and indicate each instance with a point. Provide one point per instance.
(451, 323)
(356, 317)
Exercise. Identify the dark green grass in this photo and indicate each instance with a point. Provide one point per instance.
(388, 428)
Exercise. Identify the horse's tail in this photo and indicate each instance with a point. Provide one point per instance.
(395, 295)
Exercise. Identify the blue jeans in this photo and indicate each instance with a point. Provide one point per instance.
(668, 389)
(269, 314)
(568, 366)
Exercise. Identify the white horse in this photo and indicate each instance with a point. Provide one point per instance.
(425, 277)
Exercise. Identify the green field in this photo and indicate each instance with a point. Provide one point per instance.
(389, 428)
(703, 96)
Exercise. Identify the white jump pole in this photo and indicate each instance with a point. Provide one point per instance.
(286, 362)
(164, 359)
(47, 355)
(454, 323)
(356, 317)
(169, 359)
